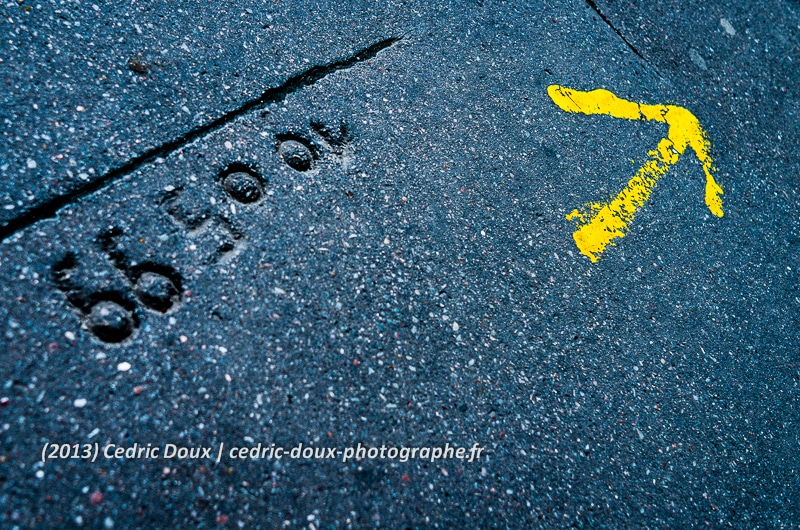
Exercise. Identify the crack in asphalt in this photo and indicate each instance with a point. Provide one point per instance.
(51, 207)
(608, 22)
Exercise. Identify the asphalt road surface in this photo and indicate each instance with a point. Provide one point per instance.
(559, 236)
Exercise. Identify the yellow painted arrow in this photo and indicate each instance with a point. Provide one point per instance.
(600, 223)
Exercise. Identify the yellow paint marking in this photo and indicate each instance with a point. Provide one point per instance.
(600, 223)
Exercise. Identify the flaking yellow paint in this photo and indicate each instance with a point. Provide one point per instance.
(600, 223)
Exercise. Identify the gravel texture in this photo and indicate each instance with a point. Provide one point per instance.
(364, 241)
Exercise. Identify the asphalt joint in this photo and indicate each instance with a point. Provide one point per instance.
(113, 316)
(604, 18)
(309, 77)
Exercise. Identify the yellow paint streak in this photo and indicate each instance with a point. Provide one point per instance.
(599, 224)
